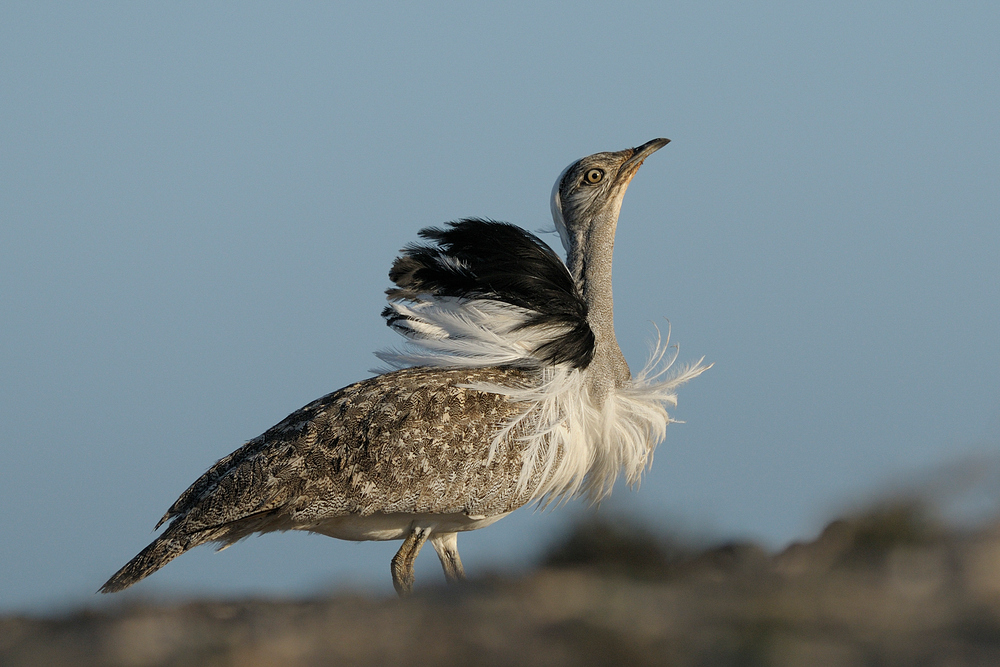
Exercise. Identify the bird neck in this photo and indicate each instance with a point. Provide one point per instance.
(592, 271)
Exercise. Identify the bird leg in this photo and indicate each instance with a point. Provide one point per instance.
(402, 562)
(446, 546)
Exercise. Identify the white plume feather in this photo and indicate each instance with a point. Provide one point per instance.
(456, 332)
(571, 446)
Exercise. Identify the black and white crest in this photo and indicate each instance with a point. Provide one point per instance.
(477, 266)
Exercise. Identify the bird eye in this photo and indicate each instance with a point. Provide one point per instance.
(593, 176)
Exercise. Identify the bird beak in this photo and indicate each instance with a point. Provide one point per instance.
(640, 153)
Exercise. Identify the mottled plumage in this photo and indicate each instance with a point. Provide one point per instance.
(410, 441)
(511, 389)
(406, 441)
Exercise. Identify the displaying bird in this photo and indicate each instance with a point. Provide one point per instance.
(511, 388)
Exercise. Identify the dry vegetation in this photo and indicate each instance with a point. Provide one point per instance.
(889, 586)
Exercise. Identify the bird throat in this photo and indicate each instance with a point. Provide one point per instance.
(608, 370)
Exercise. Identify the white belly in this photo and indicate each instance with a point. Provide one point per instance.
(399, 525)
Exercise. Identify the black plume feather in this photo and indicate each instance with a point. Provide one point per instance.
(484, 259)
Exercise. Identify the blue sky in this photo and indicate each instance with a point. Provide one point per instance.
(200, 202)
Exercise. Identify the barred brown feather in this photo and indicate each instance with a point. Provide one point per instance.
(415, 440)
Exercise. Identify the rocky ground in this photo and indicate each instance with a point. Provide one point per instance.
(886, 587)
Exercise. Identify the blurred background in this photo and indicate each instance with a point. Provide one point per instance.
(199, 203)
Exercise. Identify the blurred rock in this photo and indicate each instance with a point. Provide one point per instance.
(617, 545)
(889, 586)
(980, 563)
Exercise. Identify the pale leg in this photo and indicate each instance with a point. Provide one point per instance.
(402, 562)
(446, 546)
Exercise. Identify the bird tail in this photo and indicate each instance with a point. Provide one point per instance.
(161, 551)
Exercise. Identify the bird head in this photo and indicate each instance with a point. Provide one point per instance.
(588, 193)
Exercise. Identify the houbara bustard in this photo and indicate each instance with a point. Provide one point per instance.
(511, 389)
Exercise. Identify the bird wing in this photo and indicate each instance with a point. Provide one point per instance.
(486, 293)
(414, 440)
